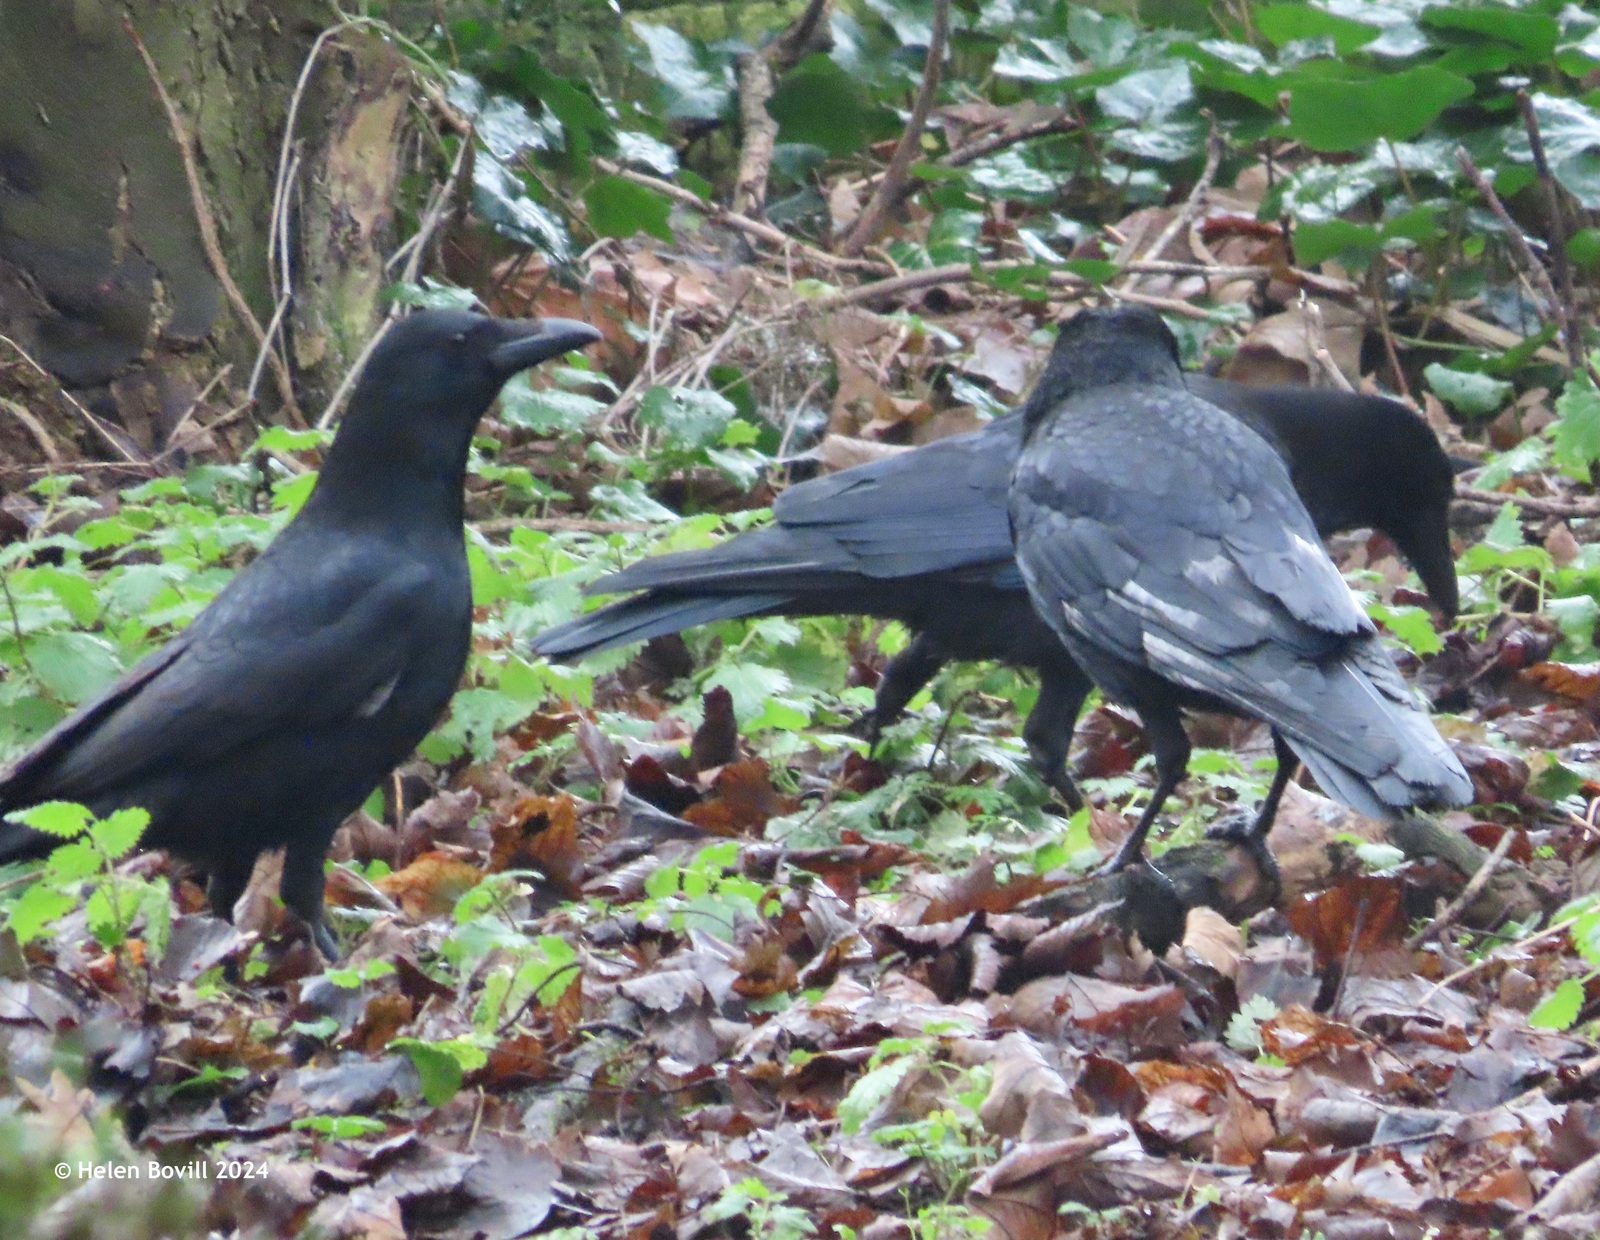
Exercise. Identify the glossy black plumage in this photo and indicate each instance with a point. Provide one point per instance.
(324, 662)
(922, 537)
(1165, 544)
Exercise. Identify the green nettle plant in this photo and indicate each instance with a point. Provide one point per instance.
(84, 870)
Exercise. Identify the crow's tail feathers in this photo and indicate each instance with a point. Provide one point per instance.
(1370, 744)
(643, 617)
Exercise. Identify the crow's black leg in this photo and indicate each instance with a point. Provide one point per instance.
(1048, 731)
(226, 883)
(902, 679)
(301, 889)
(1163, 726)
(1254, 840)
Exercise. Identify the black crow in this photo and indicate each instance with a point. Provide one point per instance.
(1164, 543)
(922, 537)
(325, 661)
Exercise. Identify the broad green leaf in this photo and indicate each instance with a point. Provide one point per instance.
(871, 1091)
(545, 411)
(118, 832)
(1570, 130)
(1411, 625)
(1575, 436)
(1289, 23)
(1465, 391)
(1340, 115)
(695, 86)
(619, 207)
(692, 417)
(63, 818)
(1148, 95)
(750, 685)
(1534, 35)
(1356, 245)
(38, 908)
(1560, 1007)
(1527, 457)
(1576, 617)
(818, 104)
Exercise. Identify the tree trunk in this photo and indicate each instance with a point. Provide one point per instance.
(106, 279)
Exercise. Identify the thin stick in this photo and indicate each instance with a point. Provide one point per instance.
(1196, 200)
(758, 229)
(872, 216)
(1468, 894)
(172, 435)
(99, 427)
(1558, 230)
(1528, 261)
(562, 525)
(208, 227)
(34, 427)
(1531, 503)
(1495, 956)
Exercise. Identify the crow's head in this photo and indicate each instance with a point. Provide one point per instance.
(1100, 347)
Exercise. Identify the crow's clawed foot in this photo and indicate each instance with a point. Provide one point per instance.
(1241, 829)
(869, 727)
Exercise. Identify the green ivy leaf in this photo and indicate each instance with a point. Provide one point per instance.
(1330, 114)
(1289, 23)
(1465, 391)
(619, 207)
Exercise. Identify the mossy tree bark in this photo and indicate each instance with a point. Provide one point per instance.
(105, 278)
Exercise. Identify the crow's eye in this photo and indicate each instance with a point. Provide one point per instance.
(459, 338)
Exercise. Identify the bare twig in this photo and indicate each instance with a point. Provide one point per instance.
(1527, 260)
(758, 229)
(756, 74)
(99, 427)
(207, 225)
(34, 427)
(872, 215)
(579, 525)
(1529, 503)
(1317, 339)
(1564, 305)
(1061, 121)
(172, 435)
(1196, 201)
(1496, 956)
(1468, 894)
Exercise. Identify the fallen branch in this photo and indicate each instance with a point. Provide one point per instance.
(757, 71)
(878, 206)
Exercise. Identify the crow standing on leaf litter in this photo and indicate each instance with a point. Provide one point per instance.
(327, 659)
(922, 537)
(1164, 543)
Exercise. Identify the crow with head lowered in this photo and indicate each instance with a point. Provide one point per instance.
(1163, 542)
(326, 660)
(923, 538)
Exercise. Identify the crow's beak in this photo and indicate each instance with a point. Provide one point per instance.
(531, 341)
(1427, 545)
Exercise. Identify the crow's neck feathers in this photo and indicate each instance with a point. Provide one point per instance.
(1101, 348)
